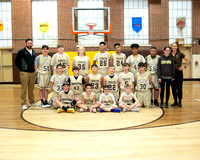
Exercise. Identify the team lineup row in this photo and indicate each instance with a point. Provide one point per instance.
(139, 74)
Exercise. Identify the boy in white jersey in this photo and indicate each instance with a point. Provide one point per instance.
(142, 82)
(82, 61)
(134, 59)
(152, 62)
(60, 58)
(96, 80)
(107, 101)
(117, 59)
(125, 78)
(77, 83)
(57, 81)
(88, 100)
(42, 66)
(103, 59)
(65, 100)
(112, 81)
(128, 100)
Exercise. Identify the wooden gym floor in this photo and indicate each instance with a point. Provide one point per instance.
(153, 133)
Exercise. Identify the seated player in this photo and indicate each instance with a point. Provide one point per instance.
(65, 100)
(88, 100)
(142, 82)
(128, 100)
(107, 101)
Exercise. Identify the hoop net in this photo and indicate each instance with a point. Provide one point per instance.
(91, 27)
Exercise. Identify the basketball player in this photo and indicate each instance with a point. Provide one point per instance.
(117, 59)
(128, 100)
(142, 82)
(42, 66)
(96, 80)
(60, 58)
(112, 81)
(65, 100)
(107, 101)
(152, 62)
(125, 78)
(88, 100)
(82, 61)
(134, 59)
(103, 59)
(77, 83)
(57, 81)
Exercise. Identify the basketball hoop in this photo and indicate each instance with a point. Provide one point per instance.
(91, 27)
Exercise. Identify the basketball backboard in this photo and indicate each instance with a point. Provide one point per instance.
(83, 16)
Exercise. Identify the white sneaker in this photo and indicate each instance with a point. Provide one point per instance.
(93, 110)
(33, 104)
(135, 109)
(81, 110)
(24, 107)
(124, 110)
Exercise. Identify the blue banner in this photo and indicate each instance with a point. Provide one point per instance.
(137, 24)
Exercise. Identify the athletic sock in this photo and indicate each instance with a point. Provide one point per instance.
(65, 108)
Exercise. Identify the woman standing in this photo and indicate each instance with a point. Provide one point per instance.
(166, 74)
(82, 61)
(177, 84)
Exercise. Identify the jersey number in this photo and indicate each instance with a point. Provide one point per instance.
(76, 88)
(119, 62)
(46, 68)
(143, 86)
(103, 62)
(152, 68)
(95, 85)
(81, 67)
(63, 64)
(112, 87)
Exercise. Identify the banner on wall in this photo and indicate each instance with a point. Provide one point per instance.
(44, 27)
(1, 26)
(180, 22)
(137, 24)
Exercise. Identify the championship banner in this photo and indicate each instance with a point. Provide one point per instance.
(180, 22)
(44, 27)
(137, 24)
(1, 26)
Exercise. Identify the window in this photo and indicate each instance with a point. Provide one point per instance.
(5, 20)
(136, 8)
(44, 15)
(94, 17)
(179, 9)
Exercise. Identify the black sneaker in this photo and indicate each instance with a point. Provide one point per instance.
(166, 105)
(151, 102)
(179, 105)
(174, 104)
(156, 103)
(161, 105)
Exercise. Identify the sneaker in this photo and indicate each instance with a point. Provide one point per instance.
(24, 107)
(70, 110)
(174, 104)
(93, 110)
(161, 105)
(135, 109)
(156, 103)
(46, 105)
(33, 104)
(179, 105)
(116, 110)
(101, 110)
(166, 105)
(82, 110)
(124, 109)
(50, 102)
(60, 110)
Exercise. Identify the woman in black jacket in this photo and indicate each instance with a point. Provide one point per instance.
(166, 74)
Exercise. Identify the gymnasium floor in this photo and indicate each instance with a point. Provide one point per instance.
(38, 133)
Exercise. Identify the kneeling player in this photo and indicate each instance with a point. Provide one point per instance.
(65, 100)
(107, 101)
(88, 100)
(128, 100)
